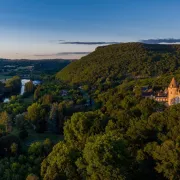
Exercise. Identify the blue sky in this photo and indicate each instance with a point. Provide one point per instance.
(35, 28)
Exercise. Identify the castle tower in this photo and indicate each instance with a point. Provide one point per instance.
(172, 92)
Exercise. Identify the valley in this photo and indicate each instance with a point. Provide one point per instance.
(92, 118)
(89, 90)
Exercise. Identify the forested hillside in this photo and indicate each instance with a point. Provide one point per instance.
(113, 62)
(105, 131)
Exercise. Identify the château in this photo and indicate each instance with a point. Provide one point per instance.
(170, 96)
(173, 93)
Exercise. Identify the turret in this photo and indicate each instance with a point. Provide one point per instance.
(172, 91)
(173, 83)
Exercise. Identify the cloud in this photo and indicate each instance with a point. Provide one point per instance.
(72, 53)
(161, 41)
(88, 43)
(56, 41)
(62, 54)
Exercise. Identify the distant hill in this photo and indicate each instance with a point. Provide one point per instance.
(126, 59)
(24, 67)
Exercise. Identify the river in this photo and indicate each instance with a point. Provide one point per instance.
(23, 82)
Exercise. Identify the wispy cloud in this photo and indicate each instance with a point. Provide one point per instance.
(62, 53)
(56, 41)
(161, 41)
(87, 42)
(72, 53)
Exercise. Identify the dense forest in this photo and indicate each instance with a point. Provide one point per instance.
(115, 62)
(11, 86)
(31, 68)
(90, 121)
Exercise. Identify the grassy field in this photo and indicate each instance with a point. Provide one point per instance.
(28, 99)
(34, 137)
(15, 131)
(38, 137)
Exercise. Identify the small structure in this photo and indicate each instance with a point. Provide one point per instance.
(144, 88)
(146, 92)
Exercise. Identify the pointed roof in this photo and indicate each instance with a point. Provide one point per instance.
(173, 83)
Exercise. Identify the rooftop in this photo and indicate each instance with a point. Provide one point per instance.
(173, 83)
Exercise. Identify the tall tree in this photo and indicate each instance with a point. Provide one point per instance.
(5, 120)
(82, 125)
(60, 163)
(104, 157)
(29, 87)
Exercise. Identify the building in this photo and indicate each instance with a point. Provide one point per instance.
(173, 93)
(170, 95)
(147, 94)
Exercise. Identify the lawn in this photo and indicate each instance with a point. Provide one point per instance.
(28, 99)
(15, 131)
(34, 137)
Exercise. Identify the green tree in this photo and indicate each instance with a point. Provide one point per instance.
(20, 121)
(32, 177)
(166, 157)
(104, 157)
(35, 149)
(47, 99)
(6, 142)
(47, 145)
(14, 148)
(56, 118)
(60, 163)
(4, 120)
(83, 125)
(13, 84)
(36, 114)
(29, 87)
(37, 92)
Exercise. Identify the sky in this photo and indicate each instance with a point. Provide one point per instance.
(70, 29)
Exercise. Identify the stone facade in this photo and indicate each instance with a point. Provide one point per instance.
(173, 93)
(169, 96)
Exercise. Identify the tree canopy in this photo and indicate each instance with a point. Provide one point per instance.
(110, 63)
